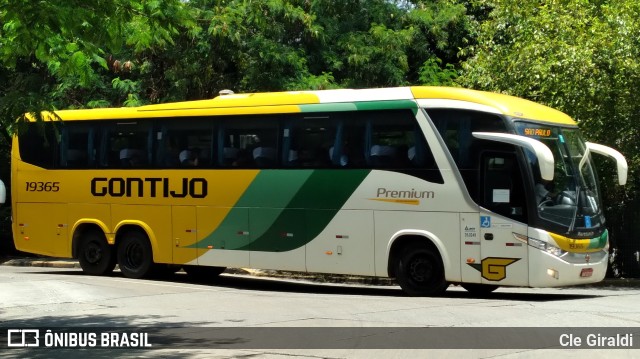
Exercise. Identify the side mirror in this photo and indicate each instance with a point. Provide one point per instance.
(3, 193)
(541, 151)
(621, 162)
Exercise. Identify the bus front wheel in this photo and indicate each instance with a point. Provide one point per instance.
(420, 272)
(95, 255)
(135, 257)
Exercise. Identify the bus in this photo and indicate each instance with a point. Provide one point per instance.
(431, 186)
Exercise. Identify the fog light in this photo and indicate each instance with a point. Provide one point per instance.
(553, 273)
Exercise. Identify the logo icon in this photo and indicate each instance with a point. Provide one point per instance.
(23, 338)
(493, 268)
(485, 222)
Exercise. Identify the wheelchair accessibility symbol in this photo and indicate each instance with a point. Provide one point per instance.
(485, 222)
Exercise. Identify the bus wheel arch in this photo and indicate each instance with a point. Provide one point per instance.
(417, 265)
(134, 252)
(95, 255)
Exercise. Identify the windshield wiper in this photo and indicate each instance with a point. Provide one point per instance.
(575, 211)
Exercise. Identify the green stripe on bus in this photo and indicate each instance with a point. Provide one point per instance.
(271, 190)
(329, 107)
(388, 105)
(282, 214)
(328, 189)
(326, 192)
(361, 106)
(310, 211)
(599, 242)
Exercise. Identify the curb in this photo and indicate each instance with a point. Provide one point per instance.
(39, 262)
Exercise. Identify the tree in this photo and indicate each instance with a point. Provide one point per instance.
(273, 45)
(71, 54)
(64, 54)
(55, 53)
(579, 57)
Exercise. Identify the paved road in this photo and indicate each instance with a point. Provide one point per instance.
(63, 297)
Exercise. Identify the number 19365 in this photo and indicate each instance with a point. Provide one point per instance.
(43, 186)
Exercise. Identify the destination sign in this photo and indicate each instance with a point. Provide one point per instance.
(541, 132)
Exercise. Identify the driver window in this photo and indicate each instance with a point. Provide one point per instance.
(501, 185)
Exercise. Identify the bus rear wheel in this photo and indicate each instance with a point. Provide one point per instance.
(135, 257)
(420, 272)
(95, 255)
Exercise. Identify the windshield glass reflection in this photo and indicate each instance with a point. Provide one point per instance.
(571, 199)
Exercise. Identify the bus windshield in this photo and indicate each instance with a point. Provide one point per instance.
(572, 198)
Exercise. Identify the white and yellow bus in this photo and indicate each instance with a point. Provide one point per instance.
(428, 185)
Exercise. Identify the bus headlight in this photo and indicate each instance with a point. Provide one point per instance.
(555, 250)
(547, 247)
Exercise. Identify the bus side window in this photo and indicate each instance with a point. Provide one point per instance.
(77, 144)
(125, 145)
(455, 127)
(396, 141)
(352, 142)
(187, 143)
(501, 184)
(40, 144)
(265, 156)
(250, 142)
(310, 141)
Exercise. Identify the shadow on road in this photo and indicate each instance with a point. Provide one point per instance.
(245, 282)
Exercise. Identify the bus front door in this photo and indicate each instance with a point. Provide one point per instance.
(503, 252)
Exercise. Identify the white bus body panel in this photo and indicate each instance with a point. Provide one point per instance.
(470, 243)
(504, 257)
(345, 245)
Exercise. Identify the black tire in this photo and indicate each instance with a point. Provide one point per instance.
(479, 289)
(203, 273)
(420, 272)
(135, 257)
(95, 255)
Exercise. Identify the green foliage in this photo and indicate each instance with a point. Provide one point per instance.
(432, 74)
(306, 81)
(579, 57)
(128, 89)
(277, 44)
(62, 36)
(54, 54)
(74, 54)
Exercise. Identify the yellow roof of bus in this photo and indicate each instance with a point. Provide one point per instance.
(289, 102)
(505, 104)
